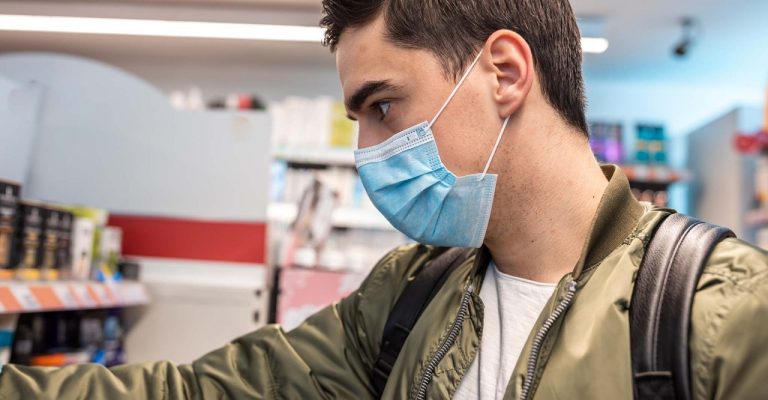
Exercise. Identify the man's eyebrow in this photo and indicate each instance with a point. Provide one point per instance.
(355, 102)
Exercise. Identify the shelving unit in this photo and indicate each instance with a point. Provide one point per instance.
(32, 297)
(653, 174)
(342, 217)
(338, 157)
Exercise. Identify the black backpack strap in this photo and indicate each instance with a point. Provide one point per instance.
(660, 310)
(412, 302)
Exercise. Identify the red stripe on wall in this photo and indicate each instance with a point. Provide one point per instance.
(192, 239)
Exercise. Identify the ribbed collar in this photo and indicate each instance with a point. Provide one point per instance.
(616, 218)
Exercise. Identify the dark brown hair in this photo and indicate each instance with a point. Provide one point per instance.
(454, 30)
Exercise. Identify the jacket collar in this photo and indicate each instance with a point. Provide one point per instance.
(617, 216)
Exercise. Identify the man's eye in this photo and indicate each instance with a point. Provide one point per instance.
(381, 107)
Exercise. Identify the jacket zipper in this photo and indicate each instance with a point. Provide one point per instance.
(449, 341)
(538, 341)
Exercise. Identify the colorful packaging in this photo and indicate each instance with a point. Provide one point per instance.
(83, 235)
(49, 241)
(28, 239)
(64, 243)
(9, 203)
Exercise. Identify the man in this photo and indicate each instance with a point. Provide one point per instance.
(541, 309)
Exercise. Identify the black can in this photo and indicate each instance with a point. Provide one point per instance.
(64, 246)
(49, 238)
(28, 233)
(9, 205)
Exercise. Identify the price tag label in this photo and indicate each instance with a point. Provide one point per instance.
(102, 296)
(66, 297)
(25, 297)
(82, 293)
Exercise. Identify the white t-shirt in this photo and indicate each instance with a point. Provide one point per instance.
(512, 306)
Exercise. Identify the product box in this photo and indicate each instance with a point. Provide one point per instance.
(110, 250)
(651, 144)
(64, 244)
(9, 203)
(28, 240)
(83, 234)
(605, 139)
(49, 242)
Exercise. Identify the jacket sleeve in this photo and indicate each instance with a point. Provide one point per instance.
(730, 353)
(327, 357)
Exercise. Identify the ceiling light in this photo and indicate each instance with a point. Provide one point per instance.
(140, 27)
(189, 29)
(594, 45)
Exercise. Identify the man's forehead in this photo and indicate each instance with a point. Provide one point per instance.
(363, 54)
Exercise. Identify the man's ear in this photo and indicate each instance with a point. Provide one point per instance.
(512, 64)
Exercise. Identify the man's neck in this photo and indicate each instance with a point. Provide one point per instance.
(543, 212)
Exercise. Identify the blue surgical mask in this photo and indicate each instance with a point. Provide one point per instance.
(412, 188)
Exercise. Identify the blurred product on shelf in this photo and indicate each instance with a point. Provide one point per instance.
(190, 99)
(237, 101)
(83, 236)
(290, 181)
(650, 144)
(606, 142)
(41, 241)
(7, 328)
(58, 339)
(659, 198)
(310, 124)
(25, 256)
(9, 199)
(311, 228)
(761, 181)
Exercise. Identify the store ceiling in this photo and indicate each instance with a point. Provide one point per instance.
(642, 35)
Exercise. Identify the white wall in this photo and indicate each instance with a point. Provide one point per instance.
(19, 104)
(110, 140)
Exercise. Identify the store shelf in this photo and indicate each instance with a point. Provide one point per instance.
(342, 157)
(653, 174)
(22, 297)
(341, 218)
(757, 217)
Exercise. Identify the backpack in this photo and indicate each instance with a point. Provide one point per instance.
(659, 314)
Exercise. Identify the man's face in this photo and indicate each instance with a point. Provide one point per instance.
(388, 89)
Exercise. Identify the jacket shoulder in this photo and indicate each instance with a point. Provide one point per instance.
(728, 342)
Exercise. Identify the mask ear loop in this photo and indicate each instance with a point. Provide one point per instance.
(455, 89)
(495, 147)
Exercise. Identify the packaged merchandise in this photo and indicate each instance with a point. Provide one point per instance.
(606, 142)
(28, 239)
(9, 199)
(64, 244)
(49, 242)
(81, 248)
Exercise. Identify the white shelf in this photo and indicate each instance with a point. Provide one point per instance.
(341, 218)
(25, 297)
(320, 156)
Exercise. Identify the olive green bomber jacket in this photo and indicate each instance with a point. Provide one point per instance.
(578, 349)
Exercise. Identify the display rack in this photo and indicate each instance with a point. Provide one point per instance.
(653, 174)
(32, 297)
(338, 157)
(353, 218)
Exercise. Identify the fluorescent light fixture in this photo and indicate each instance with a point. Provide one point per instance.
(142, 27)
(594, 45)
(189, 29)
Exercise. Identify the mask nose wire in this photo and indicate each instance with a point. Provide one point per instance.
(455, 89)
(495, 147)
